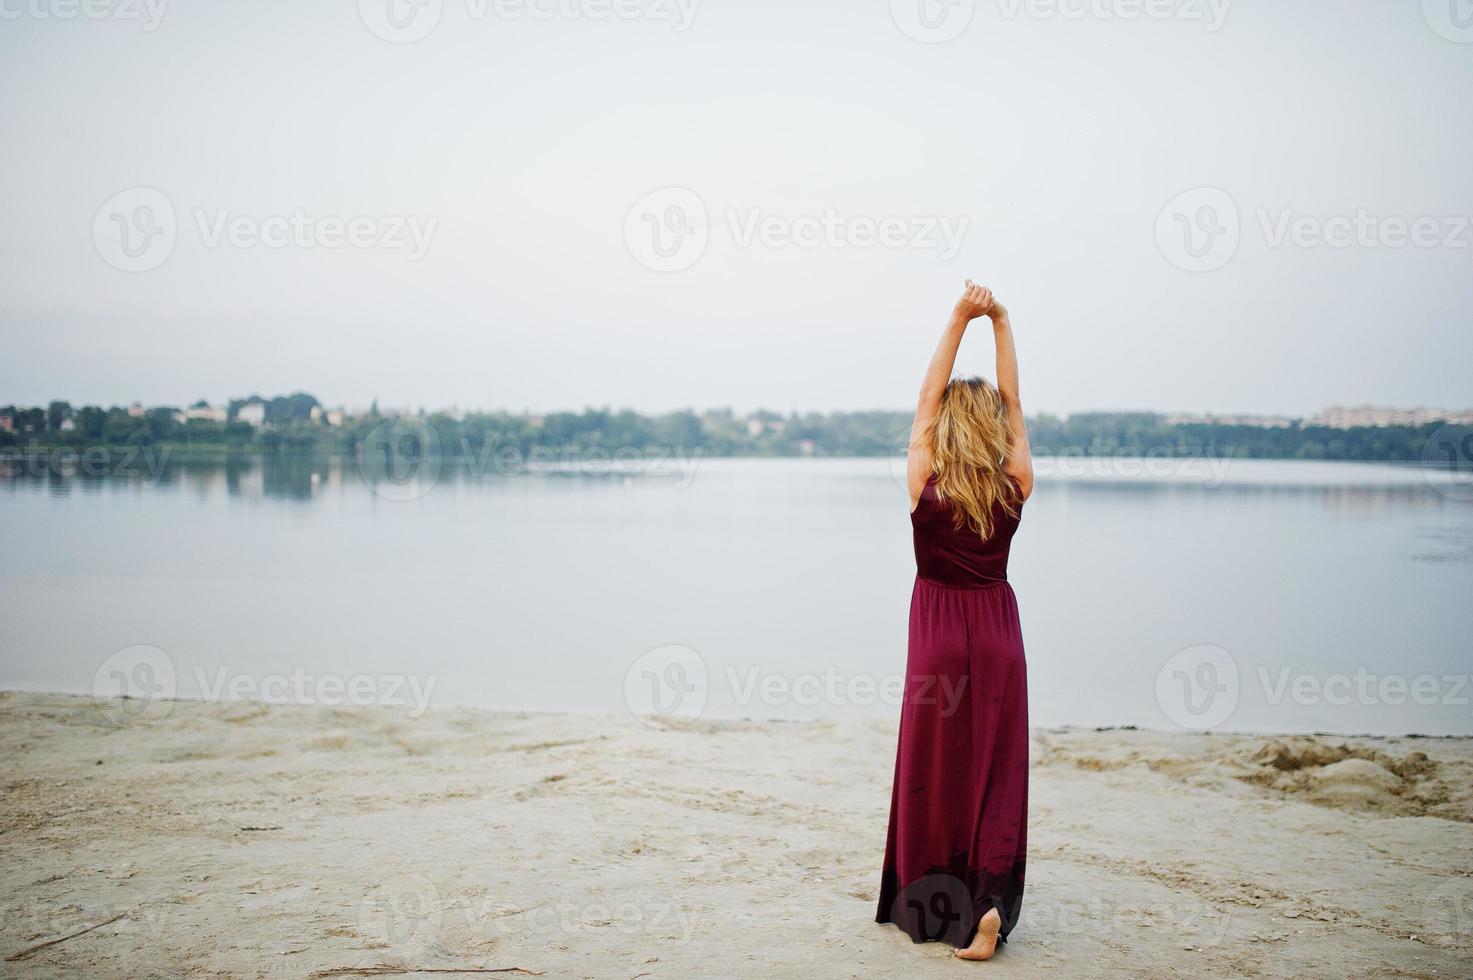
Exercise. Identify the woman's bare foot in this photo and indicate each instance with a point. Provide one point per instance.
(985, 943)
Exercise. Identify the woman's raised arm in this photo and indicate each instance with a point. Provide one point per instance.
(1019, 464)
(975, 301)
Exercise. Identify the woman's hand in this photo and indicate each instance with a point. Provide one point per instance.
(976, 301)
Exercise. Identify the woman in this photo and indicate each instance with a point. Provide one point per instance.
(959, 809)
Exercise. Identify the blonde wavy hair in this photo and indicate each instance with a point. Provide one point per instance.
(970, 441)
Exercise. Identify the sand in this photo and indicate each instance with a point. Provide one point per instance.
(241, 839)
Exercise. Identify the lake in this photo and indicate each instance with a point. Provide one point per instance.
(1255, 596)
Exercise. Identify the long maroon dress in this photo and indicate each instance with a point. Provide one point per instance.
(959, 809)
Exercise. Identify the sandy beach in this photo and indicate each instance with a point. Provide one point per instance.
(246, 840)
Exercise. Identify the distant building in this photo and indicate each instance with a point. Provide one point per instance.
(208, 413)
(1372, 416)
(336, 417)
(252, 414)
(316, 414)
(7, 423)
(135, 410)
(762, 422)
(67, 425)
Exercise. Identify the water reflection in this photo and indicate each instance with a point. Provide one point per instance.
(1355, 498)
(288, 477)
(1349, 489)
(296, 477)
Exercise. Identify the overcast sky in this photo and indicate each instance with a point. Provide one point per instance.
(509, 256)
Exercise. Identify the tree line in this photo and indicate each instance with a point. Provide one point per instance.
(290, 427)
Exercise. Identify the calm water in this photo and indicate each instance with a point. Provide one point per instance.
(1306, 596)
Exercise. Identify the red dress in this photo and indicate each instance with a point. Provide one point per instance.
(959, 809)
